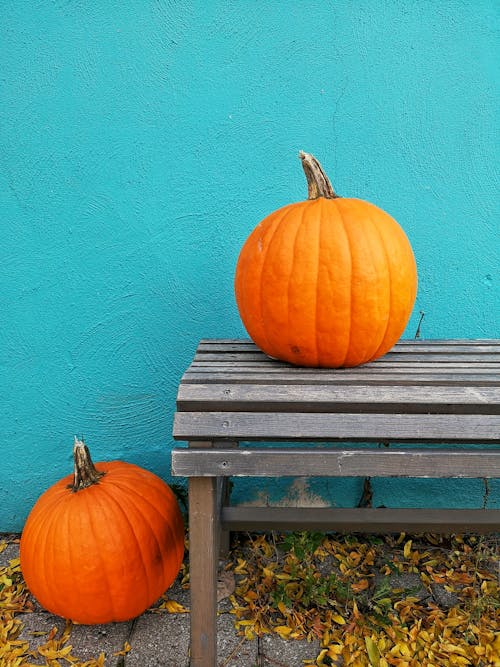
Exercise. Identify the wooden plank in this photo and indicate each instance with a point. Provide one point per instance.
(407, 366)
(410, 364)
(203, 558)
(398, 370)
(237, 357)
(211, 344)
(274, 462)
(336, 426)
(366, 520)
(334, 398)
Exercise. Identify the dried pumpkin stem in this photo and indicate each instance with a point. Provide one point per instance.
(318, 183)
(85, 472)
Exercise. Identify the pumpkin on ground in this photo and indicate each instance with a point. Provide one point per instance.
(104, 544)
(329, 281)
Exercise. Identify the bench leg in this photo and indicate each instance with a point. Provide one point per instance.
(204, 527)
(223, 494)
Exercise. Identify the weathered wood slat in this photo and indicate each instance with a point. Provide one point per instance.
(236, 357)
(335, 398)
(430, 372)
(406, 365)
(336, 426)
(365, 520)
(322, 374)
(421, 344)
(273, 462)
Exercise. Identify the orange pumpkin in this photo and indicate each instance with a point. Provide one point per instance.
(329, 281)
(104, 544)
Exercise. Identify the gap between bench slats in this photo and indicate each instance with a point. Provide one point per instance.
(471, 379)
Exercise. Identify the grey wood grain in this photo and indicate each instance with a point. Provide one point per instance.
(335, 426)
(422, 343)
(365, 520)
(407, 366)
(335, 398)
(394, 357)
(204, 524)
(275, 462)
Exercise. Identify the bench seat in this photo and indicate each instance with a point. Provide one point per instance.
(427, 404)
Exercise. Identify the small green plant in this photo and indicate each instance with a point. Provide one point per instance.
(303, 544)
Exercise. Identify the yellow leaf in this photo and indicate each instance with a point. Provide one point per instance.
(294, 590)
(337, 618)
(173, 607)
(407, 549)
(335, 650)
(319, 659)
(283, 631)
(373, 652)
(360, 585)
(251, 595)
(126, 649)
(282, 607)
(241, 568)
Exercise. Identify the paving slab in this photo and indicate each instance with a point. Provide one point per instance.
(10, 552)
(233, 650)
(159, 640)
(445, 599)
(177, 593)
(410, 584)
(88, 641)
(34, 623)
(277, 652)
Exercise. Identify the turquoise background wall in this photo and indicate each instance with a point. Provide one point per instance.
(142, 140)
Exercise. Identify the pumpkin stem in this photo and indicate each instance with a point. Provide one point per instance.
(318, 184)
(85, 472)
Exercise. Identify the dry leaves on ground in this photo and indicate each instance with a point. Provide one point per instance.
(373, 602)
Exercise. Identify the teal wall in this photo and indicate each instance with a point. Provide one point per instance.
(142, 140)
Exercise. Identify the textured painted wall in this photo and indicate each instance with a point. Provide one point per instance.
(142, 140)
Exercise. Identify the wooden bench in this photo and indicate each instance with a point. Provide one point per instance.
(422, 392)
